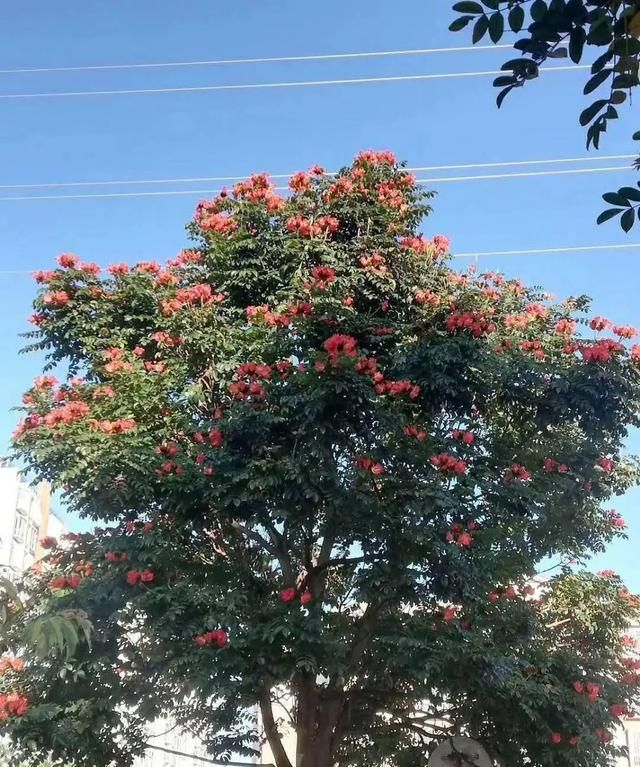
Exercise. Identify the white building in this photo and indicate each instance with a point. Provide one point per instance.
(25, 518)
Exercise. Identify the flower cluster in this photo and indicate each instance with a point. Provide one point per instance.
(249, 386)
(475, 323)
(116, 556)
(461, 534)
(134, 577)
(304, 227)
(552, 466)
(289, 595)
(220, 223)
(264, 314)
(121, 426)
(56, 299)
(466, 437)
(448, 464)
(413, 431)
(368, 464)
(13, 704)
(217, 637)
(590, 689)
(516, 472)
(337, 346)
(115, 362)
(11, 664)
(374, 264)
(600, 351)
(66, 581)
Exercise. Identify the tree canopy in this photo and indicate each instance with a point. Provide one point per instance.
(325, 467)
(555, 29)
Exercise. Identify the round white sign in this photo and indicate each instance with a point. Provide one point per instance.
(459, 751)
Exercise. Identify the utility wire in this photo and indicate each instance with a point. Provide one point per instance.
(262, 86)
(265, 60)
(422, 181)
(199, 179)
(479, 254)
(542, 251)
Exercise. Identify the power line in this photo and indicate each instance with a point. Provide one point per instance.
(199, 179)
(263, 86)
(526, 174)
(542, 251)
(193, 192)
(479, 254)
(264, 60)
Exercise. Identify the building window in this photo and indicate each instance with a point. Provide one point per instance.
(20, 527)
(24, 499)
(33, 538)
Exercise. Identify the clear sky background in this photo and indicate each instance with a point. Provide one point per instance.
(438, 122)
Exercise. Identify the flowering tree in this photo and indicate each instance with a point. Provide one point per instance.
(327, 467)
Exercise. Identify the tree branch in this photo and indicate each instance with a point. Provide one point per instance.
(271, 730)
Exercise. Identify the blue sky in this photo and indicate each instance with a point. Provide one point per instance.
(437, 122)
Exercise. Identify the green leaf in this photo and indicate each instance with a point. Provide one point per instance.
(516, 18)
(492, 4)
(591, 111)
(480, 29)
(538, 10)
(618, 97)
(627, 219)
(496, 27)
(596, 80)
(500, 82)
(577, 40)
(503, 94)
(615, 198)
(468, 6)
(630, 192)
(460, 23)
(636, 136)
(607, 214)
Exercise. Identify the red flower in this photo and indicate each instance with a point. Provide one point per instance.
(618, 709)
(117, 270)
(449, 613)
(565, 328)
(573, 741)
(603, 735)
(448, 464)
(147, 576)
(464, 539)
(599, 323)
(68, 261)
(510, 592)
(493, 597)
(515, 471)
(306, 597)
(323, 276)
(606, 464)
(133, 577)
(340, 345)
(556, 738)
(288, 595)
(148, 527)
(216, 438)
(48, 542)
(625, 331)
(56, 299)
(578, 687)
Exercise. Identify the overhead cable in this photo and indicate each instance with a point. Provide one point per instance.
(193, 192)
(264, 86)
(264, 60)
(422, 168)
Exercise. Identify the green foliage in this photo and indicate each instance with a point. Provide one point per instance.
(329, 465)
(565, 28)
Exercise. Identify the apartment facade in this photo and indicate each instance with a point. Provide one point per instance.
(25, 518)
